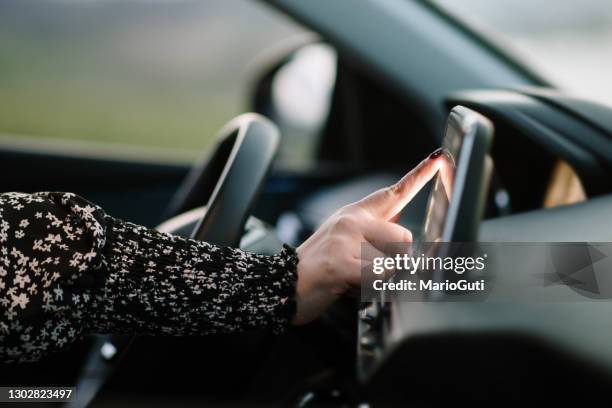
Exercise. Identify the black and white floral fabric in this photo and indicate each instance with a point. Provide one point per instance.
(67, 269)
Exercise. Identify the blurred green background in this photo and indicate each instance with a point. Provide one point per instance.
(155, 73)
(170, 73)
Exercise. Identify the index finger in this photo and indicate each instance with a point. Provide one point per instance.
(388, 201)
(447, 174)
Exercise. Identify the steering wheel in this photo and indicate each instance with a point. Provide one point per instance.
(229, 182)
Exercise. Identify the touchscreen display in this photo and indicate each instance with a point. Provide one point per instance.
(442, 192)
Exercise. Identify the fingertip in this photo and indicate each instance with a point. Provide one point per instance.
(436, 153)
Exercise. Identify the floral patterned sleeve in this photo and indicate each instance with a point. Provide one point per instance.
(67, 269)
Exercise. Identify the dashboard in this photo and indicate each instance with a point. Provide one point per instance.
(550, 183)
(393, 336)
(439, 338)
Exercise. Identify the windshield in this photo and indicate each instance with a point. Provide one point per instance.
(569, 42)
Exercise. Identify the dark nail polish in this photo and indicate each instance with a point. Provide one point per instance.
(436, 153)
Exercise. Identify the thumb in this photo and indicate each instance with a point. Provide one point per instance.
(389, 201)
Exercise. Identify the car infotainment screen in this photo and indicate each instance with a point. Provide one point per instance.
(456, 202)
(454, 211)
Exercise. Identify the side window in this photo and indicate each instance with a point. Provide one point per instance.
(165, 74)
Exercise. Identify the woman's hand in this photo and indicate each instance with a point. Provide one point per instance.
(330, 260)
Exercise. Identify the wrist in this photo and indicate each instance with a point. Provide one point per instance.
(316, 287)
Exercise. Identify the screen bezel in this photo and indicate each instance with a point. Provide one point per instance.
(471, 179)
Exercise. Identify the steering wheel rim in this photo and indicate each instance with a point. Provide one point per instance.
(240, 163)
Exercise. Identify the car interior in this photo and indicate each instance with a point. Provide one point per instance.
(398, 68)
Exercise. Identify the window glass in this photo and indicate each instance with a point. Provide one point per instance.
(155, 73)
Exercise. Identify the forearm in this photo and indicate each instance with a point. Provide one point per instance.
(163, 284)
(67, 269)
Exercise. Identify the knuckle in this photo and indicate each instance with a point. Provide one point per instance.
(401, 187)
(345, 222)
(392, 191)
(327, 265)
